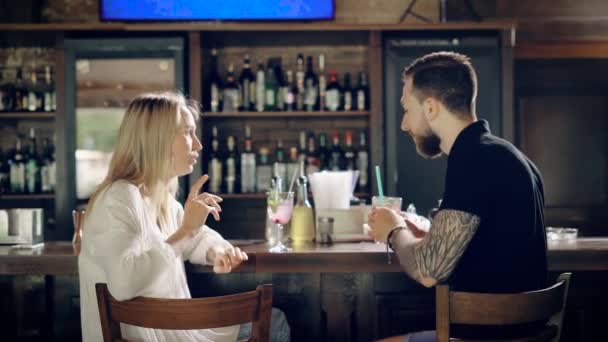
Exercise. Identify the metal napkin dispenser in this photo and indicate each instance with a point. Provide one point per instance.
(346, 221)
(21, 226)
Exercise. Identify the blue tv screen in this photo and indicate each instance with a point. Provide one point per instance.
(189, 10)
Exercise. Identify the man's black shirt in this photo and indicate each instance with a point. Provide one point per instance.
(488, 177)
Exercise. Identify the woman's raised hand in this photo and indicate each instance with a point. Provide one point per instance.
(198, 206)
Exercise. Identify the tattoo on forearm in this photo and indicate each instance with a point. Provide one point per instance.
(433, 259)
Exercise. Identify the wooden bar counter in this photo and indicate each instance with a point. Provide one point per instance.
(60, 258)
(339, 292)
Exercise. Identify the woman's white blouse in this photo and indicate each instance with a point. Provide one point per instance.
(123, 247)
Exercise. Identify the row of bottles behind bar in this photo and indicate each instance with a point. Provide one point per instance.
(28, 170)
(18, 95)
(249, 172)
(271, 90)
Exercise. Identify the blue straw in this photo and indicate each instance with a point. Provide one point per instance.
(379, 181)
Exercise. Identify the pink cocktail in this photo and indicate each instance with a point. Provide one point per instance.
(283, 213)
(280, 208)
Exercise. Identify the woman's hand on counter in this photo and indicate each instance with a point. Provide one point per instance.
(224, 259)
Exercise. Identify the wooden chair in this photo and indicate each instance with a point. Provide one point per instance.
(77, 220)
(503, 309)
(186, 314)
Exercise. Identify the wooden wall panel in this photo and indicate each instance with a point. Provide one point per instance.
(347, 11)
(557, 19)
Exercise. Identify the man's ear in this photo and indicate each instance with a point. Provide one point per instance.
(430, 108)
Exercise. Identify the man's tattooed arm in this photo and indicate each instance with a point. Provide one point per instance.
(432, 259)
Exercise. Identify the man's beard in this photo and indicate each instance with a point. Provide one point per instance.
(428, 145)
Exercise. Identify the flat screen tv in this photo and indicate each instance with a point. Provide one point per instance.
(192, 10)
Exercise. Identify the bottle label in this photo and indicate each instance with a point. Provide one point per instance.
(348, 101)
(360, 100)
(215, 175)
(230, 175)
(231, 100)
(248, 172)
(333, 99)
(53, 175)
(311, 95)
(30, 174)
(215, 98)
(362, 167)
(18, 177)
(252, 96)
(270, 97)
(246, 90)
(45, 179)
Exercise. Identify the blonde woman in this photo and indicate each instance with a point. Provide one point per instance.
(137, 234)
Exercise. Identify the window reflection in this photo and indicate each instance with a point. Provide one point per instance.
(104, 88)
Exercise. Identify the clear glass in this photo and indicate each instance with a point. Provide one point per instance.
(104, 88)
(280, 208)
(388, 202)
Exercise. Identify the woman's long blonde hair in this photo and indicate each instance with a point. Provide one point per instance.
(143, 150)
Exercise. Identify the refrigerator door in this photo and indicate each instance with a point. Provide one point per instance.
(418, 180)
(101, 76)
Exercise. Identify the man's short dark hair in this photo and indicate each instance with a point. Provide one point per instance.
(447, 76)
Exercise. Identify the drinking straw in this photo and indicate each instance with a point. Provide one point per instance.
(379, 181)
(293, 179)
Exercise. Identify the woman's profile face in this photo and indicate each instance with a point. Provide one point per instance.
(185, 146)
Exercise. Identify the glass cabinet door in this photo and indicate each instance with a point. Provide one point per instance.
(104, 88)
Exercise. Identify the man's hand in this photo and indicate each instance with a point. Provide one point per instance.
(224, 259)
(381, 221)
(418, 225)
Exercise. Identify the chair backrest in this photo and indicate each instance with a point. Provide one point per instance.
(186, 314)
(502, 309)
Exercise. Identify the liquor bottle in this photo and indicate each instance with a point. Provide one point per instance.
(302, 220)
(324, 156)
(263, 172)
(20, 95)
(300, 82)
(349, 152)
(347, 94)
(4, 172)
(215, 85)
(215, 164)
(293, 165)
(247, 85)
(272, 89)
(46, 184)
(280, 165)
(333, 92)
(312, 156)
(302, 147)
(292, 93)
(231, 166)
(311, 85)
(283, 88)
(335, 163)
(362, 92)
(6, 94)
(50, 96)
(32, 166)
(248, 166)
(322, 82)
(17, 170)
(260, 88)
(231, 92)
(363, 163)
(32, 96)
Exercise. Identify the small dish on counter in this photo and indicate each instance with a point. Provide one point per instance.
(561, 233)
